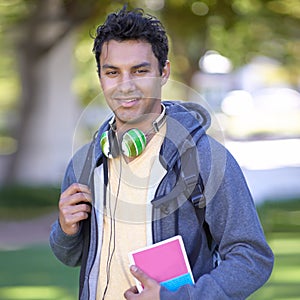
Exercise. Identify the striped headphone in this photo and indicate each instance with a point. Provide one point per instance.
(133, 141)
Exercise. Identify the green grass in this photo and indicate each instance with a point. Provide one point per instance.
(34, 273)
(284, 282)
(280, 215)
(281, 222)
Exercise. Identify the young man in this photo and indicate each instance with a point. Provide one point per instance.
(152, 165)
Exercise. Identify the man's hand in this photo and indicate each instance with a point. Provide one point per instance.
(74, 206)
(151, 287)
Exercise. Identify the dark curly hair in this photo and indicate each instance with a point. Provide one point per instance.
(133, 25)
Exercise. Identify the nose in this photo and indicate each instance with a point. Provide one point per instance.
(126, 84)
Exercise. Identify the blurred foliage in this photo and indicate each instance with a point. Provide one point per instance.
(237, 29)
(19, 202)
(9, 82)
(280, 216)
(86, 83)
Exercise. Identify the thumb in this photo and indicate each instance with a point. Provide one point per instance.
(141, 276)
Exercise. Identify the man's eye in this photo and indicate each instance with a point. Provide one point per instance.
(111, 73)
(141, 71)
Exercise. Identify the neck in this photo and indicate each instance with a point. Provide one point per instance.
(149, 125)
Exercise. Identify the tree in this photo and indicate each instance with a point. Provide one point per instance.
(44, 47)
(44, 35)
(238, 29)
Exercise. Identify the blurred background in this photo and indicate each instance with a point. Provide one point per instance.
(240, 58)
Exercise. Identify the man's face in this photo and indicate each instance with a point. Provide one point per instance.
(131, 82)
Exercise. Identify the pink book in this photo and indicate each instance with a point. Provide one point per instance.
(166, 262)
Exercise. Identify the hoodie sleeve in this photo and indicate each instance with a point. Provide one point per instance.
(67, 248)
(247, 260)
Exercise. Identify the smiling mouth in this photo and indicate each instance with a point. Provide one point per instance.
(128, 102)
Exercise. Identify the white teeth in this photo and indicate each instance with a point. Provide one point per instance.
(127, 100)
(131, 100)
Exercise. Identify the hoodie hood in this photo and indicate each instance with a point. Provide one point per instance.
(193, 116)
(187, 122)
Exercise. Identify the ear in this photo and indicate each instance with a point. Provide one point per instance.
(165, 73)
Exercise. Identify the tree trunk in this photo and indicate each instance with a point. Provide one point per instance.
(48, 109)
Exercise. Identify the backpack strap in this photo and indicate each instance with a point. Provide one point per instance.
(192, 177)
(86, 224)
(190, 184)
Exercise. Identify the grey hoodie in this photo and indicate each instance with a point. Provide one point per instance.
(230, 213)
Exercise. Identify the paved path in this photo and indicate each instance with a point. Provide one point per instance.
(271, 167)
(19, 234)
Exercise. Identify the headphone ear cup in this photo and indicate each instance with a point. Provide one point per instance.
(109, 144)
(104, 143)
(133, 142)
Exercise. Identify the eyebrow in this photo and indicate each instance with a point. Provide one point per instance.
(106, 66)
(141, 65)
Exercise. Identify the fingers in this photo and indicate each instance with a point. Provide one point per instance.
(76, 193)
(74, 206)
(151, 287)
(131, 293)
(140, 275)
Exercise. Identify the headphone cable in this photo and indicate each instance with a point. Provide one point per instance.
(112, 237)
